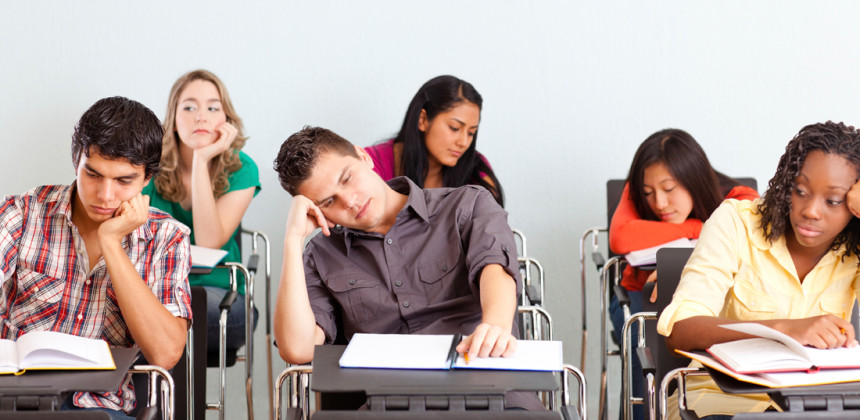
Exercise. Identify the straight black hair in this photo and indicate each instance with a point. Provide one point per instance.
(438, 95)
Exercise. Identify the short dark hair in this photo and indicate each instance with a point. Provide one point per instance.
(775, 207)
(688, 164)
(301, 151)
(117, 128)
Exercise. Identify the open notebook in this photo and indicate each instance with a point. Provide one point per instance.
(415, 351)
(206, 257)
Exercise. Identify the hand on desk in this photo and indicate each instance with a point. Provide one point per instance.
(823, 331)
(488, 340)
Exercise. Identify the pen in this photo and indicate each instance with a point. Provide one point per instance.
(452, 352)
(842, 330)
(466, 356)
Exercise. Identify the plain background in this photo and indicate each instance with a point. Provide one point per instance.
(570, 90)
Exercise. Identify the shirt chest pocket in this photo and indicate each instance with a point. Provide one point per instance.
(37, 299)
(357, 293)
(444, 277)
(750, 304)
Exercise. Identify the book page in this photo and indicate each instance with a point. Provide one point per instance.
(530, 355)
(8, 357)
(49, 349)
(397, 351)
(753, 355)
(760, 330)
(206, 257)
(648, 256)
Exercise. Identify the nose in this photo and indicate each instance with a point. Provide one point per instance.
(106, 191)
(811, 209)
(660, 200)
(463, 139)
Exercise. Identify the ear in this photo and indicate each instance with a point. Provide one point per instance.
(423, 124)
(363, 156)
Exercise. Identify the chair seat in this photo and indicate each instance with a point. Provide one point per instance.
(212, 358)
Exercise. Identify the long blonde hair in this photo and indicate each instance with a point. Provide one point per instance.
(167, 181)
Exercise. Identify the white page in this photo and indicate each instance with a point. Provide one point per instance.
(206, 257)
(839, 357)
(758, 354)
(8, 356)
(648, 256)
(530, 355)
(53, 349)
(827, 376)
(397, 351)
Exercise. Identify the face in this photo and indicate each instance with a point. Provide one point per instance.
(199, 113)
(102, 184)
(450, 133)
(818, 209)
(347, 191)
(668, 199)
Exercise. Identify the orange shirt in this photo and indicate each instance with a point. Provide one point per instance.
(629, 232)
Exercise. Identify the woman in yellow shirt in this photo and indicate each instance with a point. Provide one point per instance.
(788, 261)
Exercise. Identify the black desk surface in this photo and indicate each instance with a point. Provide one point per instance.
(57, 382)
(330, 377)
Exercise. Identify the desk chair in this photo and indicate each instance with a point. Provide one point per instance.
(298, 406)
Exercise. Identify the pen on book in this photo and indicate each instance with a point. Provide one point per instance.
(466, 357)
(842, 330)
(452, 352)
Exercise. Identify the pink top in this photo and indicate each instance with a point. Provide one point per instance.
(382, 155)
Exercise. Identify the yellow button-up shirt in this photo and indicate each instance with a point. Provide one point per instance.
(735, 273)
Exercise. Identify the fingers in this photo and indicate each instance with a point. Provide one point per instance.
(488, 341)
(853, 199)
(654, 294)
(227, 133)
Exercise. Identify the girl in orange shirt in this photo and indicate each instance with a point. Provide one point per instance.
(671, 189)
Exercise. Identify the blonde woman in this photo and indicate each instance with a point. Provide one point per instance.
(207, 183)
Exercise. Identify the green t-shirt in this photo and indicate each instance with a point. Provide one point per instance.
(246, 177)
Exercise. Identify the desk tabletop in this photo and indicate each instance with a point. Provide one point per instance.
(56, 382)
(330, 377)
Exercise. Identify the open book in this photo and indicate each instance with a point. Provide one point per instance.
(206, 257)
(648, 256)
(777, 360)
(46, 350)
(416, 351)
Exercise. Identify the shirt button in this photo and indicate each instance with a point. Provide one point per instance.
(80, 317)
(405, 305)
(389, 241)
(352, 282)
(36, 288)
(445, 268)
(88, 281)
(398, 283)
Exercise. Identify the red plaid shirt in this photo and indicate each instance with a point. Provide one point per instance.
(47, 284)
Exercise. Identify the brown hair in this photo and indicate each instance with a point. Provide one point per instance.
(167, 182)
(300, 152)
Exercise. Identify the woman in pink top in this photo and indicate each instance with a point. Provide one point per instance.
(436, 144)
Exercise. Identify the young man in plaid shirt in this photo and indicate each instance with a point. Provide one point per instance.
(92, 258)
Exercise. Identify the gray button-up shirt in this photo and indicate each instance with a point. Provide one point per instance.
(422, 276)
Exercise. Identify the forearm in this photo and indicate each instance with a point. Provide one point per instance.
(159, 334)
(208, 227)
(701, 332)
(296, 330)
(498, 297)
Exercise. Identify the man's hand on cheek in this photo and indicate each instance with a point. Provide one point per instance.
(129, 216)
(488, 341)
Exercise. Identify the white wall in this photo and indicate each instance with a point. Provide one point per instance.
(570, 90)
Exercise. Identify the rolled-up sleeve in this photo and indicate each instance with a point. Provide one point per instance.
(710, 271)
(488, 239)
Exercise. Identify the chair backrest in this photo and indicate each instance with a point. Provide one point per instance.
(748, 182)
(614, 188)
(670, 264)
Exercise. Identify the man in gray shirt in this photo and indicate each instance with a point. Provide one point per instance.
(393, 258)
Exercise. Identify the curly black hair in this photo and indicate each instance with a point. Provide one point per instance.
(829, 137)
(300, 152)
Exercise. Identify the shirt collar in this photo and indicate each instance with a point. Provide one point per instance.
(416, 202)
